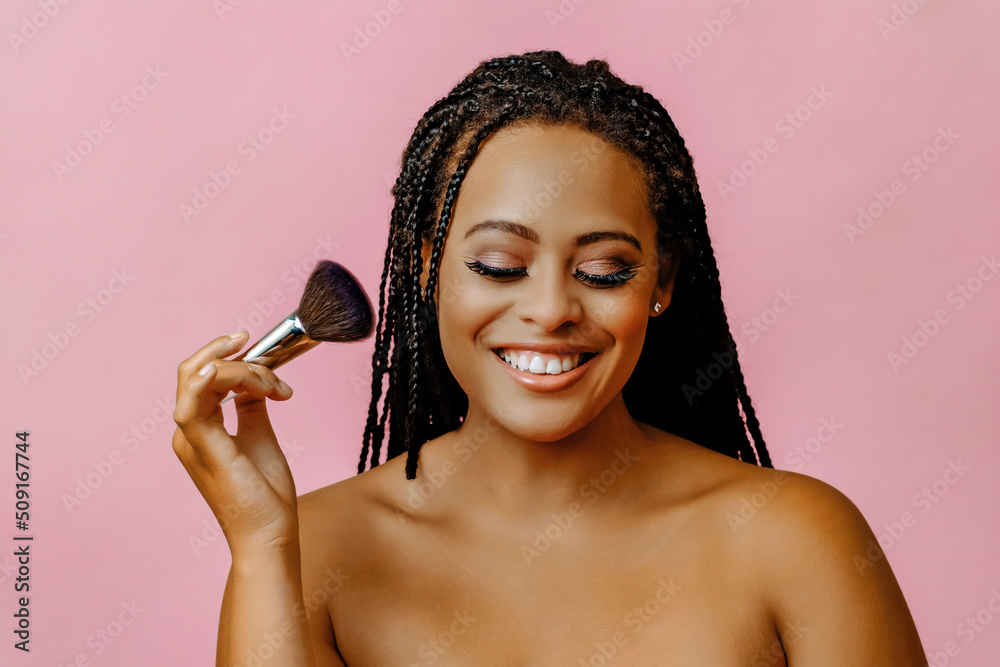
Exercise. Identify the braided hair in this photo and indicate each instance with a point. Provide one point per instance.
(422, 398)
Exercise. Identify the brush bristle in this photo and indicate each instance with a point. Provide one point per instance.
(334, 307)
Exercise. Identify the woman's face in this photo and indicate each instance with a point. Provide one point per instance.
(550, 256)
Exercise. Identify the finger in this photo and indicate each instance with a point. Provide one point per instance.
(252, 379)
(202, 400)
(207, 438)
(271, 377)
(218, 348)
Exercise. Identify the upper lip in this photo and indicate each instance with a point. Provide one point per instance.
(546, 348)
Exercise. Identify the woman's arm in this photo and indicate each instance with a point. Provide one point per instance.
(246, 482)
(263, 619)
(275, 604)
(835, 598)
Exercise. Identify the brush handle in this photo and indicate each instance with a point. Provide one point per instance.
(279, 346)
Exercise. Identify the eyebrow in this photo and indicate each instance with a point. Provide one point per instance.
(529, 234)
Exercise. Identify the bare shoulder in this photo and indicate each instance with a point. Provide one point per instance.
(807, 553)
(334, 518)
(340, 529)
(827, 584)
(763, 504)
(793, 522)
(760, 502)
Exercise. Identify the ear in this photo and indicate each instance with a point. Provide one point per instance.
(669, 264)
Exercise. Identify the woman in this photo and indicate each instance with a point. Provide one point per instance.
(592, 482)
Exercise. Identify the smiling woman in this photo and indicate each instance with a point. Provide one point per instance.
(560, 286)
(550, 494)
(625, 165)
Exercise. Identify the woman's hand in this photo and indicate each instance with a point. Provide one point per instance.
(244, 477)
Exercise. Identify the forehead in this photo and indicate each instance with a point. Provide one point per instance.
(535, 173)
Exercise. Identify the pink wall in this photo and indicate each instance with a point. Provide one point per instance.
(160, 95)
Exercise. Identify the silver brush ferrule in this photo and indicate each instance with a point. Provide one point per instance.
(281, 344)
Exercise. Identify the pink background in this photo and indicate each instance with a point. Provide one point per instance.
(143, 535)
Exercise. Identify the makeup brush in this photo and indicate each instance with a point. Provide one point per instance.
(334, 308)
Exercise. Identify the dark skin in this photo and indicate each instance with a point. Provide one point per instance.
(552, 528)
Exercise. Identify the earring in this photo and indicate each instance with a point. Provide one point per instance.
(656, 308)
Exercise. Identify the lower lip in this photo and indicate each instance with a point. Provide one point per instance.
(544, 382)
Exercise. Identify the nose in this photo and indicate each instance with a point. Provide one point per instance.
(550, 299)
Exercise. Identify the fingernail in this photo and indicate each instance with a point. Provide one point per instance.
(238, 334)
(206, 369)
(284, 385)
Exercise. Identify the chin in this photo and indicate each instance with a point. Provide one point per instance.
(543, 425)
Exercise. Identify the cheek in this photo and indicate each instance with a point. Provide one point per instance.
(463, 310)
(624, 315)
(624, 318)
(630, 334)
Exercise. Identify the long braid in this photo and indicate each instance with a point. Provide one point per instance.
(750, 452)
(382, 366)
(378, 365)
(423, 399)
(416, 420)
(666, 159)
(714, 319)
(394, 327)
(656, 114)
(410, 421)
(760, 450)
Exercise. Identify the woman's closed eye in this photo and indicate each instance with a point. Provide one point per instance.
(613, 279)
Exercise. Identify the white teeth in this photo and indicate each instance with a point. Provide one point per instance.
(537, 366)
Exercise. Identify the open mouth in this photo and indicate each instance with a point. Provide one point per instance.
(543, 364)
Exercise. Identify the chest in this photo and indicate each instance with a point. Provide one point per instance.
(545, 597)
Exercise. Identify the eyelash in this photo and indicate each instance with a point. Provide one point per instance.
(605, 280)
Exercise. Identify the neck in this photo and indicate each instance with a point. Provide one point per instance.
(521, 476)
